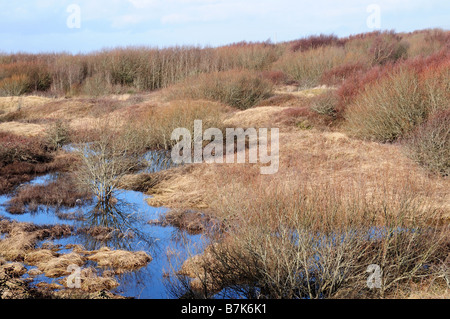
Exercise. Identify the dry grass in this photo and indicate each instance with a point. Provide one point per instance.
(119, 260)
(390, 109)
(12, 270)
(314, 155)
(13, 103)
(329, 167)
(19, 245)
(23, 129)
(51, 264)
(92, 282)
(322, 171)
(22, 237)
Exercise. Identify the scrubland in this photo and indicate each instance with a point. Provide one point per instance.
(363, 173)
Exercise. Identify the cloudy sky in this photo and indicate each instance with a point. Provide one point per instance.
(88, 25)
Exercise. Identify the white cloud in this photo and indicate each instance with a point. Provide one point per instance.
(126, 20)
(175, 18)
(140, 4)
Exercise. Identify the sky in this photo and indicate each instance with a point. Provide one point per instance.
(81, 26)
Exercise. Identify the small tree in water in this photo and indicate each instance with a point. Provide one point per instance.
(115, 153)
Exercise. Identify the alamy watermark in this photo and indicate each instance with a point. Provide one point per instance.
(374, 19)
(74, 19)
(74, 279)
(375, 278)
(235, 150)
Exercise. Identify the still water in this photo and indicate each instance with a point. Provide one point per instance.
(132, 231)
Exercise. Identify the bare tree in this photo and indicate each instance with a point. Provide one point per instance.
(115, 153)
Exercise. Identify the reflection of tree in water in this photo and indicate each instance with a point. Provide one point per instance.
(120, 227)
(156, 161)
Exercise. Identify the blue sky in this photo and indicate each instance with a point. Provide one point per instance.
(41, 25)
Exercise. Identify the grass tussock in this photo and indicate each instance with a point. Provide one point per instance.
(120, 260)
(92, 282)
(53, 265)
(21, 238)
(388, 110)
(23, 158)
(194, 222)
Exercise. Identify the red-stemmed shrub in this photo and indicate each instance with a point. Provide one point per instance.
(315, 41)
(339, 73)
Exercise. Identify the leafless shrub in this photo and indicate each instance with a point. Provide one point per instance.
(429, 144)
(239, 88)
(104, 161)
(318, 244)
(160, 122)
(389, 109)
(325, 104)
(308, 67)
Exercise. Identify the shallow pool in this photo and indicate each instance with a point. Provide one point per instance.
(129, 217)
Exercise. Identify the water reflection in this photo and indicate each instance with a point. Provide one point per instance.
(117, 226)
(156, 161)
(124, 225)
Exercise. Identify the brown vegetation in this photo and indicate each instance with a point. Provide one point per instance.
(194, 222)
(22, 237)
(346, 195)
(92, 282)
(23, 158)
(119, 260)
(317, 241)
(19, 246)
(64, 191)
(238, 88)
(429, 144)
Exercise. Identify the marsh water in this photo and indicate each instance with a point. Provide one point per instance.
(129, 218)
